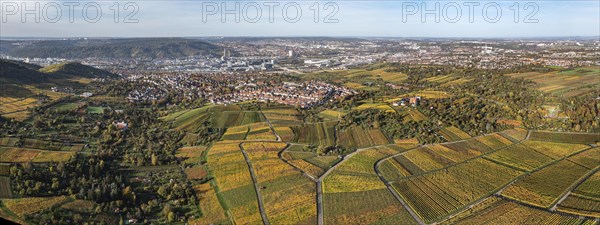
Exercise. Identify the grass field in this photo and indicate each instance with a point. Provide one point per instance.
(414, 115)
(309, 162)
(331, 115)
(377, 105)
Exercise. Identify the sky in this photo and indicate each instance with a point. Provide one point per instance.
(356, 18)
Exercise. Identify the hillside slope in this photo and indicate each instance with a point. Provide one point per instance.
(143, 48)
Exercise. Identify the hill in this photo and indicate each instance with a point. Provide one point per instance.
(20, 73)
(142, 48)
(76, 70)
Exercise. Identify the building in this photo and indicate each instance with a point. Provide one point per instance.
(414, 101)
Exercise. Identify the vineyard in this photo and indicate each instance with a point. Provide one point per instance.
(439, 194)
(23, 155)
(212, 212)
(579, 138)
(359, 137)
(260, 131)
(497, 211)
(353, 192)
(320, 134)
(307, 161)
(228, 166)
(438, 156)
(544, 187)
(28, 206)
(283, 117)
(585, 199)
(288, 196)
(452, 133)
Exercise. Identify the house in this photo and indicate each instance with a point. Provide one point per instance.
(121, 125)
(414, 101)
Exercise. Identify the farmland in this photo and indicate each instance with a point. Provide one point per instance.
(544, 187)
(438, 156)
(585, 199)
(226, 163)
(436, 195)
(353, 192)
(453, 134)
(288, 196)
(320, 134)
(572, 82)
(23, 155)
(494, 210)
(308, 161)
(359, 137)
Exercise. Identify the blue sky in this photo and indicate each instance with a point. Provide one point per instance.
(156, 18)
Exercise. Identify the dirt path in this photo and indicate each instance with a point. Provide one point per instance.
(278, 138)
